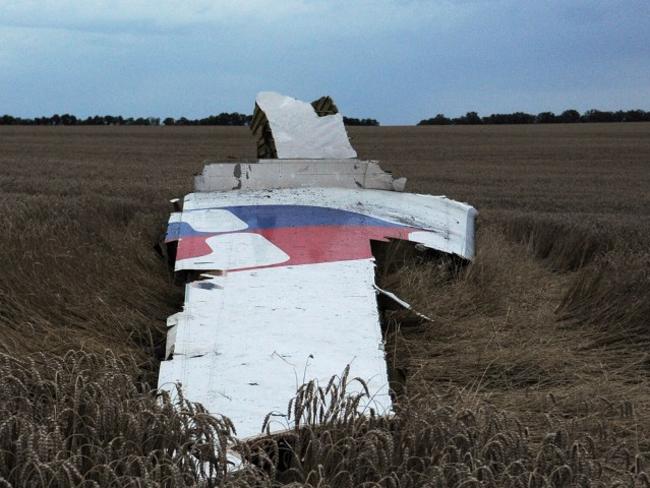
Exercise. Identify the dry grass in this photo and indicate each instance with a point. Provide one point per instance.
(80, 213)
(81, 420)
(549, 324)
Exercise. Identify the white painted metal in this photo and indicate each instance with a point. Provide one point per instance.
(213, 220)
(271, 174)
(298, 131)
(237, 251)
(246, 340)
(257, 327)
(287, 293)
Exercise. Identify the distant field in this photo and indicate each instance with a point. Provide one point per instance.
(550, 323)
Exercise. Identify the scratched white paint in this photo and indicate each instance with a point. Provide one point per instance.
(298, 131)
(246, 340)
(270, 174)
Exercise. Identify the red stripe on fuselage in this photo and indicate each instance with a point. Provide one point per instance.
(309, 244)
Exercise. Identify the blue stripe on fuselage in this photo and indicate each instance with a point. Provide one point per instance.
(182, 229)
(272, 216)
(282, 216)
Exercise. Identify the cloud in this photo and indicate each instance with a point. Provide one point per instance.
(154, 16)
(395, 60)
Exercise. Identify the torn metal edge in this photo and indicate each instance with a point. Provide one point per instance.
(402, 303)
(287, 128)
(296, 173)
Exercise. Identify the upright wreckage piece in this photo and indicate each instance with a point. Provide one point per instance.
(287, 128)
(280, 274)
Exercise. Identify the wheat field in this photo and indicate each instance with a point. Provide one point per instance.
(533, 370)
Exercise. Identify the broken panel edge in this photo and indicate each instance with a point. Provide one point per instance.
(296, 173)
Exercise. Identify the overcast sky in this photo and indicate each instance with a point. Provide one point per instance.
(394, 60)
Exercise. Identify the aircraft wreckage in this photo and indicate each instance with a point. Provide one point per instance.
(280, 277)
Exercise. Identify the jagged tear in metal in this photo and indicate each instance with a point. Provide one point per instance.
(296, 173)
(281, 275)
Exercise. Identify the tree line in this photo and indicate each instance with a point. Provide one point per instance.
(67, 119)
(353, 121)
(568, 116)
(238, 119)
(223, 118)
